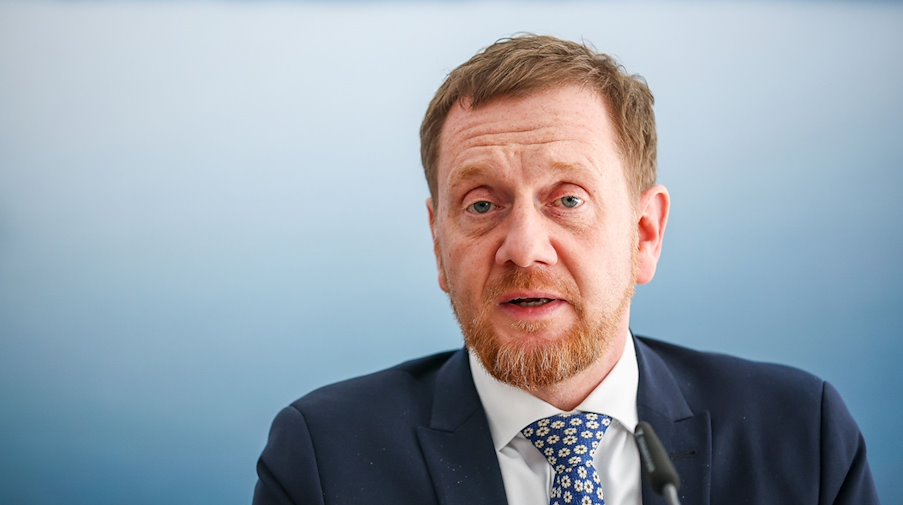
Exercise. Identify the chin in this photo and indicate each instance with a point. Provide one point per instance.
(537, 359)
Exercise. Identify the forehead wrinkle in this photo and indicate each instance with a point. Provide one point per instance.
(484, 135)
(571, 162)
(516, 144)
(519, 149)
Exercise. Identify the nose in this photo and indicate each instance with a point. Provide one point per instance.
(527, 239)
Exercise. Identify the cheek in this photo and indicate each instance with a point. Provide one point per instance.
(599, 261)
(467, 266)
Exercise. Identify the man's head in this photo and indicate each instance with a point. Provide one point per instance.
(540, 225)
(523, 65)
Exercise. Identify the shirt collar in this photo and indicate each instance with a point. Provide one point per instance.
(510, 409)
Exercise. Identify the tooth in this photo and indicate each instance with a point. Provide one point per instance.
(530, 302)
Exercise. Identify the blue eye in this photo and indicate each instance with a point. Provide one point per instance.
(481, 207)
(571, 202)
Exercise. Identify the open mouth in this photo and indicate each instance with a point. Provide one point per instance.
(531, 302)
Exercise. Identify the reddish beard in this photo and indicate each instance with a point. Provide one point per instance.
(533, 363)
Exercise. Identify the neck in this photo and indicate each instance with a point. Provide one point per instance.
(569, 393)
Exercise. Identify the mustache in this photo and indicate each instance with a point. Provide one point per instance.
(532, 279)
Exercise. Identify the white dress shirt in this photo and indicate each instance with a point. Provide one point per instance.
(526, 473)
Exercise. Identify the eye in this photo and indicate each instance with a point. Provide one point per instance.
(481, 207)
(570, 201)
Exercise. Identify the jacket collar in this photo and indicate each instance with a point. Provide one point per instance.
(457, 445)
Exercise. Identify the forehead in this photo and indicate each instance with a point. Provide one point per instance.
(565, 126)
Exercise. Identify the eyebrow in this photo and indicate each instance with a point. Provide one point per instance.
(476, 171)
(565, 167)
(465, 174)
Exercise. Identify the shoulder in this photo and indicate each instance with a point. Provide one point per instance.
(359, 430)
(706, 377)
(403, 389)
(742, 397)
(751, 405)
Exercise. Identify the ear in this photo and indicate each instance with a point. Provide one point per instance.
(443, 282)
(654, 208)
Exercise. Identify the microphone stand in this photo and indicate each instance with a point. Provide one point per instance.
(661, 472)
(670, 494)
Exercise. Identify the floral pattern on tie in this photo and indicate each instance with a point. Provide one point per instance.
(568, 442)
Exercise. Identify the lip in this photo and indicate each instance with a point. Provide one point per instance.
(531, 313)
(514, 295)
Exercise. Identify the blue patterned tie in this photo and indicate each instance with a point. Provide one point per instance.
(568, 442)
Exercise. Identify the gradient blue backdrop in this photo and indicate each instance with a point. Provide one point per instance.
(208, 209)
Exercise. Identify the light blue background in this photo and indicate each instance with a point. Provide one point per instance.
(208, 209)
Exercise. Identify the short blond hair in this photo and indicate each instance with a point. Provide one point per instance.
(525, 64)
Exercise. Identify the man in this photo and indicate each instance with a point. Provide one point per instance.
(540, 156)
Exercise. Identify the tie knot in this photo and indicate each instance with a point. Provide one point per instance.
(568, 440)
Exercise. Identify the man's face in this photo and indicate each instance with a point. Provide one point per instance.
(535, 233)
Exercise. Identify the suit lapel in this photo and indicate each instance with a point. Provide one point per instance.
(685, 435)
(457, 445)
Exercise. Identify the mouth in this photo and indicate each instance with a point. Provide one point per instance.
(533, 306)
(530, 302)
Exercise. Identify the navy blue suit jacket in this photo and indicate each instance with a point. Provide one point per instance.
(738, 432)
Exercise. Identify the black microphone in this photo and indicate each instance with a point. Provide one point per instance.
(661, 472)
